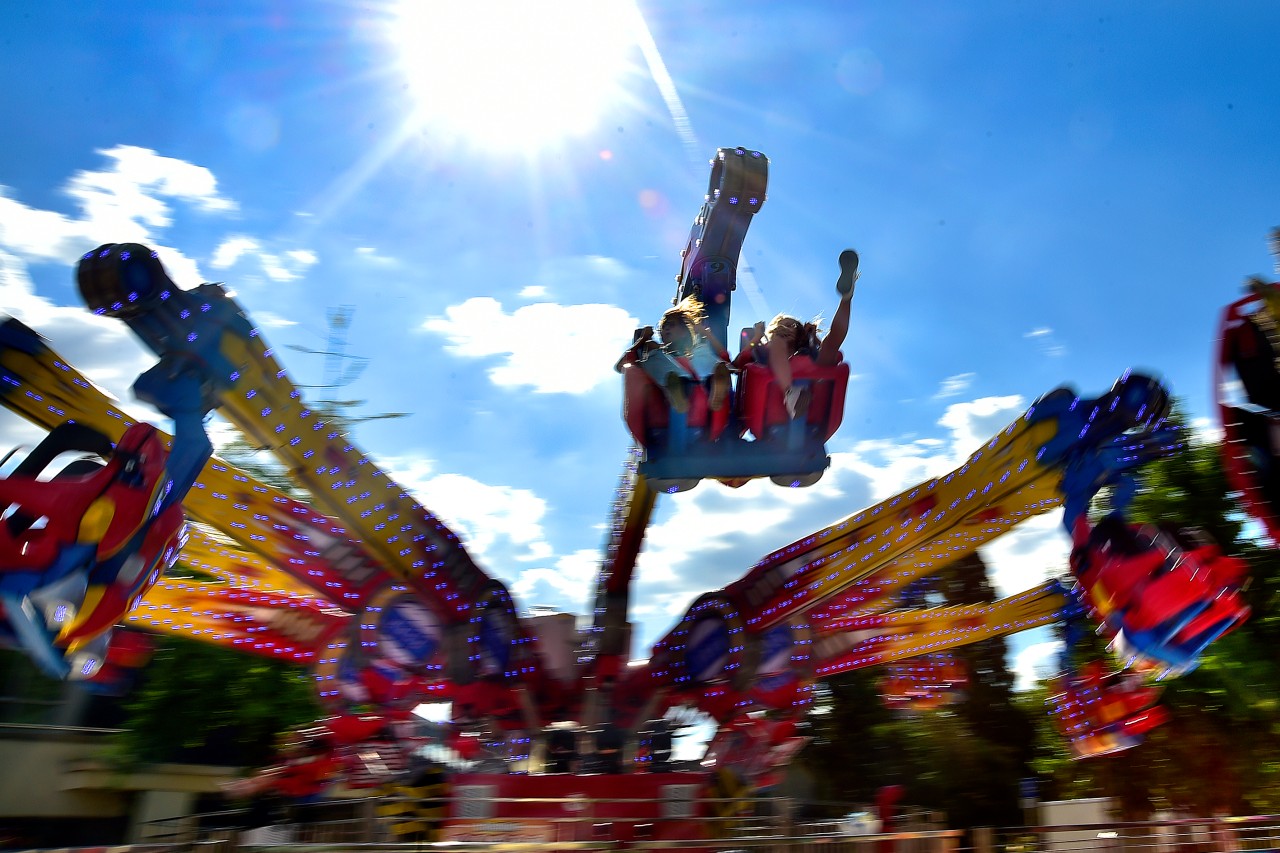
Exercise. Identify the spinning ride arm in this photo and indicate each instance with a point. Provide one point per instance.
(709, 266)
(632, 508)
(708, 272)
(256, 395)
(272, 527)
(457, 623)
(450, 612)
(854, 642)
(849, 569)
(126, 515)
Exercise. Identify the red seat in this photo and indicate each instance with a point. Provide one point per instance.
(761, 398)
(1224, 612)
(1117, 578)
(1104, 713)
(64, 502)
(644, 406)
(1171, 597)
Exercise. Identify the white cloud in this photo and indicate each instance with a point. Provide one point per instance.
(286, 266)
(370, 255)
(268, 320)
(974, 423)
(1036, 663)
(571, 582)
(125, 202)
(554, 349)
(1034, 551)
(1048, 343)
(501, 523)
(533, 291)
(954, 386)
(1207, 430)
(138, 176)
(230, 250)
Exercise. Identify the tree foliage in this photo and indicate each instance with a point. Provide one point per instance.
(965, 760)
(204, 704)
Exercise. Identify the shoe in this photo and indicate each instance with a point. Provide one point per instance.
(848, 272)
(675, 393)
(797, 402)
(720, 383)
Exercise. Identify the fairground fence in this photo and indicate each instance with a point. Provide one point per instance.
(354, 827)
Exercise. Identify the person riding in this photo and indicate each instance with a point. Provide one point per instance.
(786, 336)
(688, 352)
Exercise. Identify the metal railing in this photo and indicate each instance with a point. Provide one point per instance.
(578, 824)
(353, 825)
(1186, 835)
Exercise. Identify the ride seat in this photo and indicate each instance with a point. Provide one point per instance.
(1120, 577)
(114, 496)
(760, 398)
(1252, 356)
(1223, 613)
(1224, 572)
(644, 407)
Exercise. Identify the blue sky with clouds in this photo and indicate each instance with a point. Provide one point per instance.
(1041, 194)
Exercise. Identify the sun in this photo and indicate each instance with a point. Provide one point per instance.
(513, 74)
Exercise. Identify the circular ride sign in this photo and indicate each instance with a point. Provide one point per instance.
(401, 628)
(708, 649)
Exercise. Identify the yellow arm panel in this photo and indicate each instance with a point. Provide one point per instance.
(270, 624)
(870, 593)
(999, 486)
(208, 553)
(259, 517)
(407, 540)
(882, 638)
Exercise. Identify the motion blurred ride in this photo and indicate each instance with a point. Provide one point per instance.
(382, 603)
(751, 434)
(79, 550)
(1162, 595)
(1247, 378)
(924, 683)
(1101, 712)
(358, 750)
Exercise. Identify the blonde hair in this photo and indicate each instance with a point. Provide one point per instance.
(797, 334)
(688, 312)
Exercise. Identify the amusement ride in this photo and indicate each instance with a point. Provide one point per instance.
(383, 605)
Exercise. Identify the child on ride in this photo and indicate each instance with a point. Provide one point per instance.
(689, 351)
(786, 336)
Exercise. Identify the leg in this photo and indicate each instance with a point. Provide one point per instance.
(667, 373)
(794, 397)
(779, 364)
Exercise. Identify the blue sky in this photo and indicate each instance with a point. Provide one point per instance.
(1041, 194)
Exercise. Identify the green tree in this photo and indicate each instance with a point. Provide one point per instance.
(205, 704)
(965, 760)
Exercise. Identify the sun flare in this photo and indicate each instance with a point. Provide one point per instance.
(513, 74)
